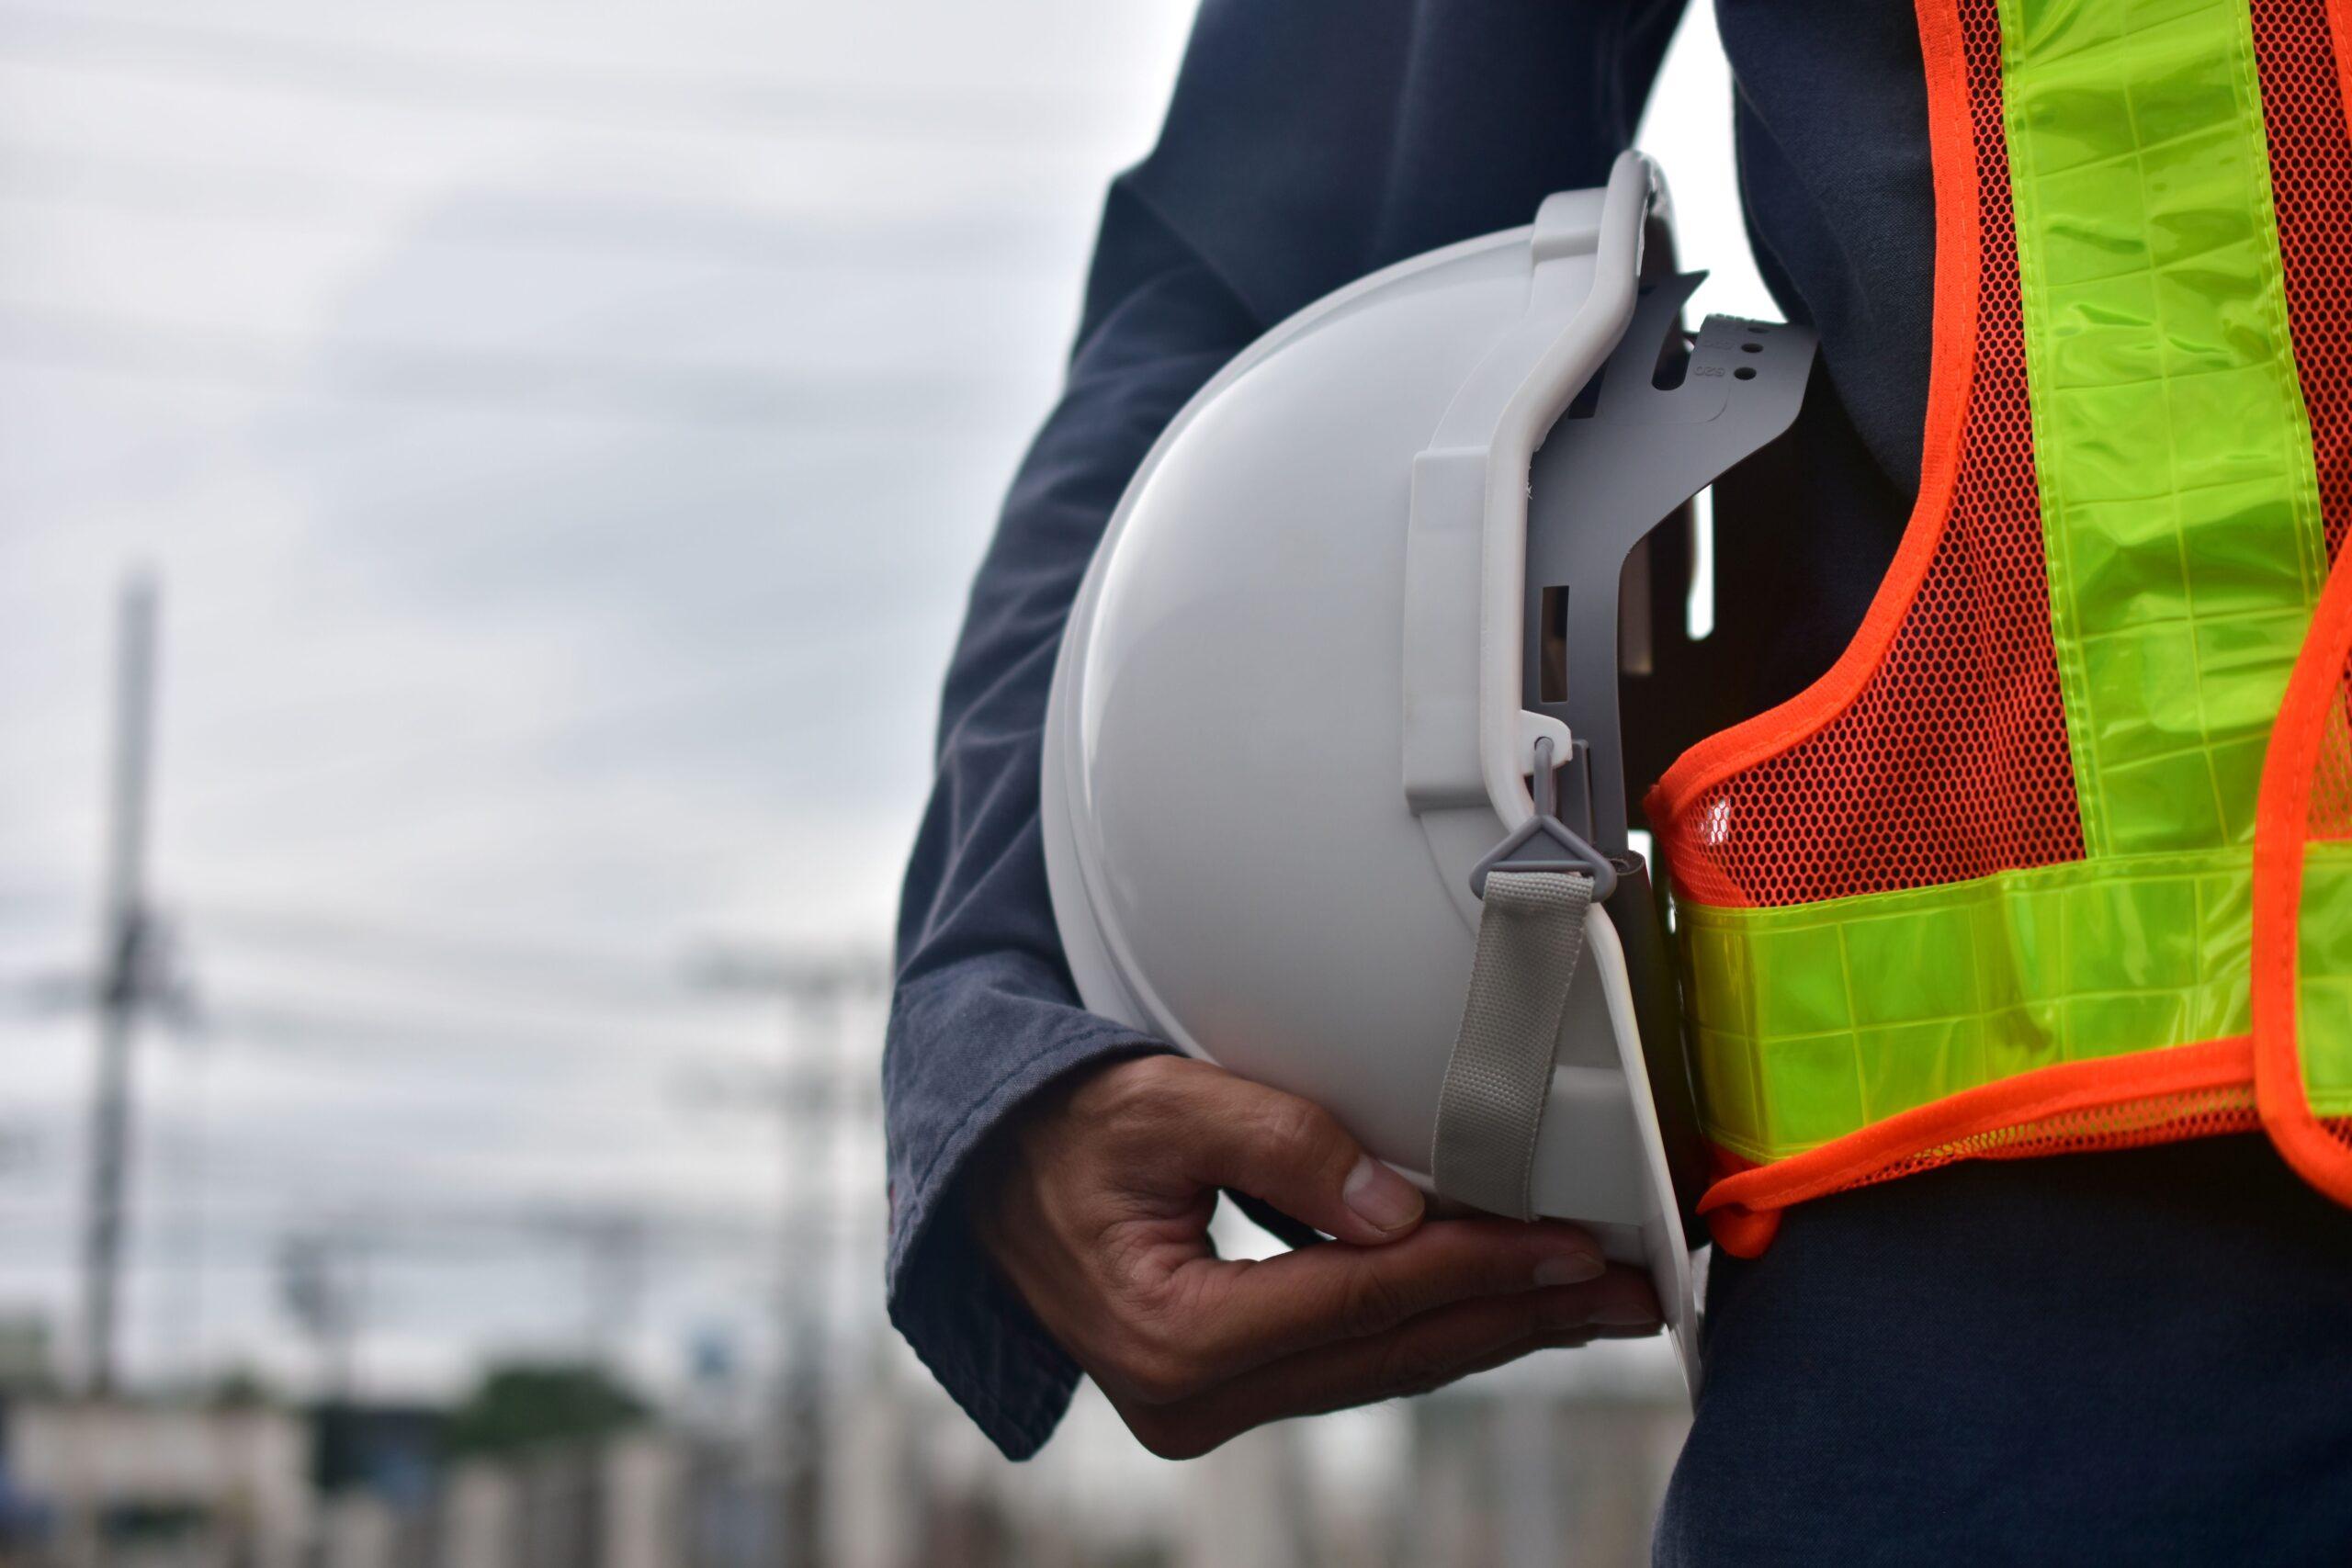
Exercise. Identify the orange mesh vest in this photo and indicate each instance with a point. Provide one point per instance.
(2058, 856)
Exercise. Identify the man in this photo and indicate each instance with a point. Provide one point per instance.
(2131, 1356)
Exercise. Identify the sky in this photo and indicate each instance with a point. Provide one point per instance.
(562, 436)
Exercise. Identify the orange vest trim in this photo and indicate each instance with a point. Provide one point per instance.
(1970, 553)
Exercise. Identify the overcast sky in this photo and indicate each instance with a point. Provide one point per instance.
(563, 435)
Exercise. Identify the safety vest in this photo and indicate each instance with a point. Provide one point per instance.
(2058, 856)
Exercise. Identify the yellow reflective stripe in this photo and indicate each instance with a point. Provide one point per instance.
(2184, 539)
(2179, 502)
(2324, 976)
(1812, 1020)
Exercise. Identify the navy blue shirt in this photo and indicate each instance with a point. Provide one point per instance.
(2122, 1356)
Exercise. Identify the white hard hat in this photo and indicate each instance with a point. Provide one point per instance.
(1320, 654)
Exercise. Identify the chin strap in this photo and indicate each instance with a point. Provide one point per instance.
(1531, 935)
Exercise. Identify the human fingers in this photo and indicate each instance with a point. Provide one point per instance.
(1228, 1317)
(1414, 1357)
(1225, 1130)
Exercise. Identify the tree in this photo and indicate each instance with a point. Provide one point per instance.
(526, 1404)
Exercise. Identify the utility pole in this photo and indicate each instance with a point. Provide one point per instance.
(128, 957)
(613, 1245)
(321, 1279)
(816, 993)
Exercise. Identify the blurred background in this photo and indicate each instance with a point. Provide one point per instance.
(486, 492)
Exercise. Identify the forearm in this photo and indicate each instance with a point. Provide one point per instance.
(985, 1014)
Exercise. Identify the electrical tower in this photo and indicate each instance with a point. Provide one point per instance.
(818, 992)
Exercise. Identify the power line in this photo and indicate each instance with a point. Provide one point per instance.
(568, 222)
(691, 100)
(310, 1175)
(355, 1037)
(483, 1233)
(703, 395)
(588, 721)
(184, 489)
(531, 965)
(533, 962)
(511, 960)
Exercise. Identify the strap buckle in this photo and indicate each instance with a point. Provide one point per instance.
(1543, 842)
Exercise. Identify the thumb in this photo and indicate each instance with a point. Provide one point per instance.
(1293, 1154)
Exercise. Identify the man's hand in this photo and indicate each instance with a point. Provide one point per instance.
(1097, 1210)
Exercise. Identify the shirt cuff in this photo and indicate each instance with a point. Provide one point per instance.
(944, 1295)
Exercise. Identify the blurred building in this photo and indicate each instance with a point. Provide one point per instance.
(1558, 1463)
(153, 1486)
